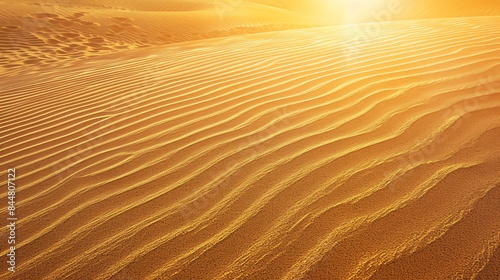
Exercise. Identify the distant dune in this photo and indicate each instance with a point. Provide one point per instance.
(60, 31)
(160, 140)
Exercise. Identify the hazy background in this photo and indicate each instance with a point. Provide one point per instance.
(355, 11)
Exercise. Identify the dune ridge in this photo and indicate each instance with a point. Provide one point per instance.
(263, 156)
(38, 35)
(57, 32)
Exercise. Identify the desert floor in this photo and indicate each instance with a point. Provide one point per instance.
(229, 148)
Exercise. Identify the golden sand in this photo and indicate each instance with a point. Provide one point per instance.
(170, 140)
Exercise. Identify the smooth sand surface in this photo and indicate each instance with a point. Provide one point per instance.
(295, 154)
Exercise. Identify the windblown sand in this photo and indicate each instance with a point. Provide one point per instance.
(58, 31)
(295, 154)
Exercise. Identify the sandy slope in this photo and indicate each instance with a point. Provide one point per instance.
(293, 154)
(53, 32)
(57, 31)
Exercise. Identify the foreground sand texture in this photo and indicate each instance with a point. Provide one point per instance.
(294, 154)
(264, 156)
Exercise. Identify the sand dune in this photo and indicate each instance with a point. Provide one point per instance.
(52, 33)
(58, 31)
(296, 154)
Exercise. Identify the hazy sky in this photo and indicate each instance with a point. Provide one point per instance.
(352, 11)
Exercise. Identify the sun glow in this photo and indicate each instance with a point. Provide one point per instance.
(351, 11)
(356, 11)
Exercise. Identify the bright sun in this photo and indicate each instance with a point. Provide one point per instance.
(356, 11)
(348, 11)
